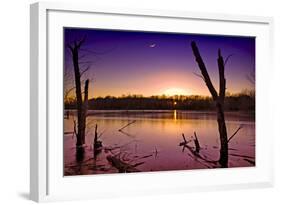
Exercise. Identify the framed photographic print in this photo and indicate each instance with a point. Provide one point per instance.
(120, 98)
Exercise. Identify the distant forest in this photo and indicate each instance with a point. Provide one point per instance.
(244, 101)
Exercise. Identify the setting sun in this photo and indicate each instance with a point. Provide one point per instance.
(175, 91)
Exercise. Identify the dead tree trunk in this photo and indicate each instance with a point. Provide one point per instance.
(96, 137)
(218, 98)
(85, 110)
(81, 106)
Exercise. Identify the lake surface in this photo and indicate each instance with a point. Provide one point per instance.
(151, 141)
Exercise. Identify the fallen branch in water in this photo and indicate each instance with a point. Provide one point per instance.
(196, 142)
(250, 161)
(155, 153)
(195, 151)
(127, 125)
(110, 149)
(68, 133)
(240, 155)
(119, 147)
(240, 127)
(145, 156)
(198, 156)
(122, 167)
(185, 142)
(101, 134)
(127, 134)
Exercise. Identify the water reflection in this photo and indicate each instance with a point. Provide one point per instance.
(175, 115)
(152, 141)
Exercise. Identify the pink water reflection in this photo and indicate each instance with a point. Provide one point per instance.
(153, 140)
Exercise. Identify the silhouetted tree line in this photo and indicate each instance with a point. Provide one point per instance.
(244, 101)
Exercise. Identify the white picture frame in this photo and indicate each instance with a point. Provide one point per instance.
(46, 177)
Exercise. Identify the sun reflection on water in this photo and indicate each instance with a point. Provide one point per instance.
(175, 115)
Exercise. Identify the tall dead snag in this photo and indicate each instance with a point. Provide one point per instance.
(218, 98)
(85, 110)
(82, 106)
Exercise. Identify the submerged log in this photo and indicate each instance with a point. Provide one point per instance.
(195, 151)
(252, 162)
(122, 167)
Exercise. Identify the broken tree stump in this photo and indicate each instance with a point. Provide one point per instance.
(196, 142)
(97, 143)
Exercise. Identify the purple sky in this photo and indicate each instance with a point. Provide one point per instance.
(152, 63)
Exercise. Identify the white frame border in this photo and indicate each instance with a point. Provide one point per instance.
(39, 75)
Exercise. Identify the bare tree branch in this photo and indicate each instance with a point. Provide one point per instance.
(79, 43)
(200, 76)
(85, 62)
(82, 72)
(203, 69)
(251, 77)
(70, 48)
(68, 91)
(240, 127)
(227, 58)
(98, 52)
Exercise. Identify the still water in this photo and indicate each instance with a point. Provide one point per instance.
(151, 141)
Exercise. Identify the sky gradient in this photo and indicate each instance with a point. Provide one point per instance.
(153, 63)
